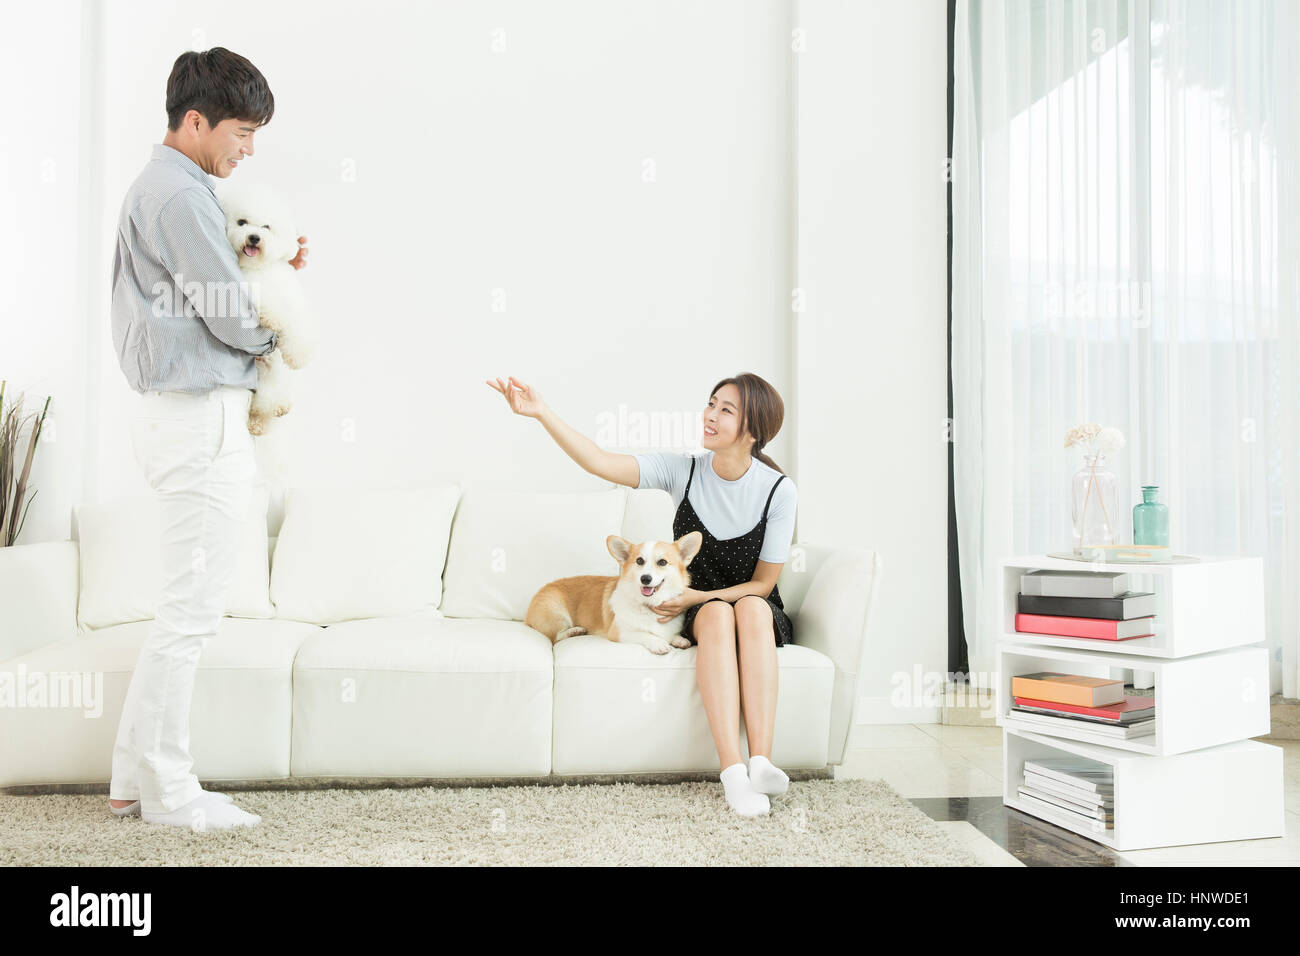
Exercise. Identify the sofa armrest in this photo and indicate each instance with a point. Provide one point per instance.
(38, 596)
(832, 619)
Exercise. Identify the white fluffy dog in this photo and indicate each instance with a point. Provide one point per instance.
(262, 233)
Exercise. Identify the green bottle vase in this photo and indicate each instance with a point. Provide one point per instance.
(1151, 519)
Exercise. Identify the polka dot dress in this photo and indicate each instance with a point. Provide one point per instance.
(726, 563)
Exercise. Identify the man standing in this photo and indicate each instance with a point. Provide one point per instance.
(186, 334)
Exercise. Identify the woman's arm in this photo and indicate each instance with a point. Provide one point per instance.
(525, 400)
(761, 585)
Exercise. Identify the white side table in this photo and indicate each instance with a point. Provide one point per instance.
(1198, 778)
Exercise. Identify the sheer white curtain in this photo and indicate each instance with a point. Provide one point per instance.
(1125, 225)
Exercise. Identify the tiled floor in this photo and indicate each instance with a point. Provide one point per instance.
(954, 775)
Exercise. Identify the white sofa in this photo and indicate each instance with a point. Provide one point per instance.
(382, 637)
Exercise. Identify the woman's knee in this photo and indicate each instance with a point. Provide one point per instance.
(753, 615)
(714, 619)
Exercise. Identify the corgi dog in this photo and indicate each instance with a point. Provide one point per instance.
(621, 607)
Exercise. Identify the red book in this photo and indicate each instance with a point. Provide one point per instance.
(1086, 626)
(1108, 712)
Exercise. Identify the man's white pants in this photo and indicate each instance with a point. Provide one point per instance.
(197, 455)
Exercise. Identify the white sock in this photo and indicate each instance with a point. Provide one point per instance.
(742, 796)
(767, 777)
(132, 809)
(207, 811)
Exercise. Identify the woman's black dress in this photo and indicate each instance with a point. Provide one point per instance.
(726, 563)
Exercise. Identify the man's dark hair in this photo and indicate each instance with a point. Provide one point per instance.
(220, 85)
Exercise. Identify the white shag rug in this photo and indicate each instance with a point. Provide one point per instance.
(816, 822)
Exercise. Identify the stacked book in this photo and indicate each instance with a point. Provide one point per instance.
(1092, 704)
(1070, 790)
(1092, 604)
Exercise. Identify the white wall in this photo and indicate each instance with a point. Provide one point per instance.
(871, 383)
(43, 249)
(429, 171)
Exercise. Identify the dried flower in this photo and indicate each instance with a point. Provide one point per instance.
(13, 515)
(1097, 439)
(1110, 440)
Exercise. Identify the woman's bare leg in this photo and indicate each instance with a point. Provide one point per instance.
(756, 643)
(716, 673)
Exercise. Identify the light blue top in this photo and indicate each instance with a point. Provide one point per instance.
(183, 320)
(728, 508)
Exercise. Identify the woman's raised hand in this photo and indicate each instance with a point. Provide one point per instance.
(523, 399)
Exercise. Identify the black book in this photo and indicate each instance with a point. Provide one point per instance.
(1129, 605)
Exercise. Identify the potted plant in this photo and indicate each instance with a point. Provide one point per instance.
(12, 512)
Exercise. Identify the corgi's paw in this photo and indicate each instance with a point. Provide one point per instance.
(570, 632)
(679, 641)
(657, 645)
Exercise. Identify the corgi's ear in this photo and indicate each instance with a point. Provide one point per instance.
(618, 547)
(688, 545)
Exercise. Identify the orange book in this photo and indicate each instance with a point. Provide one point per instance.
(1068, 689)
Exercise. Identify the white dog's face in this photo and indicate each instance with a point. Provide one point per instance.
(655, 571)
(258, 226)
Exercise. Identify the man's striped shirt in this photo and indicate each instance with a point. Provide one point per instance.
(183, 319)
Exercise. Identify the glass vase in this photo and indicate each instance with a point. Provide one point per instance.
(1094, 504)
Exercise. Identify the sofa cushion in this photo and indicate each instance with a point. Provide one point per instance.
(239, 716)
(38, 595)
(648, 515)
(346, 554)
(506, 545)
(651, 716)
(120, 548)
(423, 696)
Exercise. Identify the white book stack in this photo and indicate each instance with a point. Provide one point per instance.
(1100, 584)
(1071, 789)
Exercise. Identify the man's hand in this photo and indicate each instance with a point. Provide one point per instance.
(300, 260)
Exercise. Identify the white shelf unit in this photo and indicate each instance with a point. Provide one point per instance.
(1230, 792)
(1210, 605)
(1201, 701)
(1197, 779)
